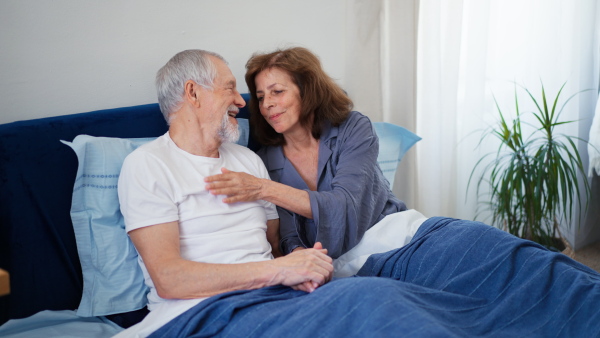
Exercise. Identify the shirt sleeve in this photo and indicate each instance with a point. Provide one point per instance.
(288, 231)
(359, 193)
(145, 195)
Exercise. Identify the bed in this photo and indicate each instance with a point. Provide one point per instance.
(74, 273)
(59, 222)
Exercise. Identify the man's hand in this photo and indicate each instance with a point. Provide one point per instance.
(306, 269)
(237, 186)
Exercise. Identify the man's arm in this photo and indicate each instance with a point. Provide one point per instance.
(175, 277)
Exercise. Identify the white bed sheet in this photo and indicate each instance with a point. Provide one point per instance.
(392, 232)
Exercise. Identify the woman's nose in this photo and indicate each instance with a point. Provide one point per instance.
(267, 102)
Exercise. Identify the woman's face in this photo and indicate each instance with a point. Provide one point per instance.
(278, 100)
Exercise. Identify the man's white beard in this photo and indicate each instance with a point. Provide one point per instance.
(228, 132)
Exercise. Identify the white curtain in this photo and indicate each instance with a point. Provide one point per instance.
(468, 52)
(473, 50)
(380, 74)
(591, 229)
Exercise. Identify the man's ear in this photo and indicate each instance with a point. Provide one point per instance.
(191, 93)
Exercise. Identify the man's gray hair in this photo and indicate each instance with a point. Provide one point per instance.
(193, 64)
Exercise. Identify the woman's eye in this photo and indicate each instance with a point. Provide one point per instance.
(278, 91)
(259, 99)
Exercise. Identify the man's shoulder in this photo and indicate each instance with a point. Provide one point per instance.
(237, 149)
(151, 149)
(248, 159)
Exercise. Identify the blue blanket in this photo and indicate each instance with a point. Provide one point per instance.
(454, 279)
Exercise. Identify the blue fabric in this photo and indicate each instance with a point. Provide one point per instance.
(517, 288)
(454, 279)
(394, 142)
(352, 192)
(113, 282)
(64, 324)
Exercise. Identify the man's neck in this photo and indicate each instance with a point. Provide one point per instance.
(191, 136)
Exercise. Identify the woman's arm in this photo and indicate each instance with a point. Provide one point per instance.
(357, 195)
(243, 187)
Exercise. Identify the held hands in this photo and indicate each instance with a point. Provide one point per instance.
(306, 269)
(237, 186)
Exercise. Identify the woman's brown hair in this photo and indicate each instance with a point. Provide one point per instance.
(321, 98)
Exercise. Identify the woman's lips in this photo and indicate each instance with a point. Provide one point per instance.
(275, 116)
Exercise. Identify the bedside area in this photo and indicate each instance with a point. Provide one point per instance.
(4, 283)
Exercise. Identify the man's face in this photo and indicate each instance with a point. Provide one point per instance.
(220, 105)
(229, 130)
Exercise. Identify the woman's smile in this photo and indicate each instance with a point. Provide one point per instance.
(279, 99)
(276, 116)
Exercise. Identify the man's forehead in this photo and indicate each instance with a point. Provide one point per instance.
(226, 81)
(224, 74)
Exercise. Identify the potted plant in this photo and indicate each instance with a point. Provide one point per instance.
(532, 179)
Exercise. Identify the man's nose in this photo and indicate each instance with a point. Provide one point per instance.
(239, 100)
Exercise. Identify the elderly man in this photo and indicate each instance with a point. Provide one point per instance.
(191, 244)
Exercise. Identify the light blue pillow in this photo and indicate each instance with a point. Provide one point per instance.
(113, 282)
(112, 279)
(394, 142)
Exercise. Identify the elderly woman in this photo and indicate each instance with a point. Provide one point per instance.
(327, 185)
(321, 156)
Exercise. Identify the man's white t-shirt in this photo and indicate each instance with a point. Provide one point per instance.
(162, 183)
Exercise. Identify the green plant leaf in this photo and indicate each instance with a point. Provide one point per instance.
(532, 179)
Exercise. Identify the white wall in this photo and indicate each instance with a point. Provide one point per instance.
(69, 56)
